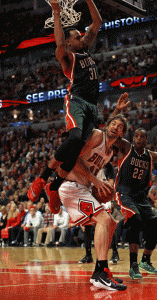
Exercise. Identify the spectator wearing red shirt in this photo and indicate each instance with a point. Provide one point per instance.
(15, 218)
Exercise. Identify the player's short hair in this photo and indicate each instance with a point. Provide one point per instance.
(142, 129)
(67, 32)
(119, 117)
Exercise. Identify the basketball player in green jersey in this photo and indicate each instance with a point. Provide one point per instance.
(80, 103)
(132, 183)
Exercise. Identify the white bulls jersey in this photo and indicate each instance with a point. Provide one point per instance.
(95, 160)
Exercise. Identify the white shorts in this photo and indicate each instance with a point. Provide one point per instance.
(79, 202)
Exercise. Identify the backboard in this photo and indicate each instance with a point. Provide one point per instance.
(132, 7)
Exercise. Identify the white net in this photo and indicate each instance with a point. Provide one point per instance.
(68, 15)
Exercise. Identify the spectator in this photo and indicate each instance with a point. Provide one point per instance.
(48, 223)
(41, 206)
(23, 196)
(3, 199)
(61, 221)
(14, 231)
(11, 220)
(3, 219)
(33, 223)
(152, 194)
(20, 236)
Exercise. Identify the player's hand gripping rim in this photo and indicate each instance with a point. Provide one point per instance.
(55, 5)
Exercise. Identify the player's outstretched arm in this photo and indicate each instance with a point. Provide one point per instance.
(121, 104)
(61, 51)
(93, 29)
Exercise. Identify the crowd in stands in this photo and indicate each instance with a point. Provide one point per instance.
(127, 64)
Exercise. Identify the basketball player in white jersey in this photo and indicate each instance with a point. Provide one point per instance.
(75, 194)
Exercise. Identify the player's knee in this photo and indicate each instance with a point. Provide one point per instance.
(105, 219)
(71, 147)
(135, 224)
(75, 136)
(102, 218)
(113, 224)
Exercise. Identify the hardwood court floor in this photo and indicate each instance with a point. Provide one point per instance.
(54, 273)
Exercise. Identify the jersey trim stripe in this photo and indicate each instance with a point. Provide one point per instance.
(70, 72)
(126, 212)
(151, 168)
(70, 121)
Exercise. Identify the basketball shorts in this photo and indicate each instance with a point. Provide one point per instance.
(79, 202)
(131, 205)
(80, 113)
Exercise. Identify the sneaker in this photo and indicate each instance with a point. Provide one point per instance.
(35, 189)
(106, 281)
(134, 272)
(147, 267)
(50, 245)
(115, 257)
(96, 274)
(94, 277)
(86, 260)
(54, 200)
(113, 260)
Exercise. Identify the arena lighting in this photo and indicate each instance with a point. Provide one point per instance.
(30, 114)
(15, 113)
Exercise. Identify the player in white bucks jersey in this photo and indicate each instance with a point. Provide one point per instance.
(83, 208)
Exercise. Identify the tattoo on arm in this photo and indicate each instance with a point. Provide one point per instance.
(89, 37)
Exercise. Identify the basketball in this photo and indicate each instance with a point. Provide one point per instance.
(102, 198)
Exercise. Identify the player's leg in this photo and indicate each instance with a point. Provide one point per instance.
(115, 257)
(133, 221)
(150, 222)
(88, 244)
(105, 227)
(134, 224)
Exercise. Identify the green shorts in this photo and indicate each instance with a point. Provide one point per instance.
(131, 205)
(81, 114)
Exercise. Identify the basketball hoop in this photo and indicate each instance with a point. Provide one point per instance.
(68, 15)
